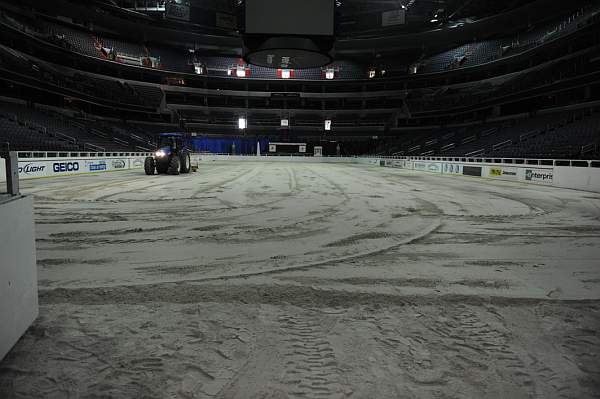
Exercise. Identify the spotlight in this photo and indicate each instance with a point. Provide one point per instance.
(242, 123)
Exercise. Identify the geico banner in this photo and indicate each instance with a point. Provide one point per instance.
(540, 176)
(507, 173)
(434, 167)
(46, 168)
(452, 169)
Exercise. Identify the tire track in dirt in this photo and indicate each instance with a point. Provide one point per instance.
(310, 362)
(472, 344)
(254, 170)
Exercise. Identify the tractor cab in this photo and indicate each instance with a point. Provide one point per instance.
(172, 142)
(171, 157)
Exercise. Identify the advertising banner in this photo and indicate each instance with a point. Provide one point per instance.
(136, 163)
(501, 172)
(472, 171)
(32, 169)
(434, 167)
(66, 167)
(29, 169)
(452, 169)
(178, 10)
(397, 163)
(120, 164)
(539, 176)
(393, 17)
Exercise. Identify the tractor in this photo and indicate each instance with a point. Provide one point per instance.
(172, 156)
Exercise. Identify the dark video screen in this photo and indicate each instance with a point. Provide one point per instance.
(290, 17)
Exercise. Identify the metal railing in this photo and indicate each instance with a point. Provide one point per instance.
(591, 163)
(77, 154)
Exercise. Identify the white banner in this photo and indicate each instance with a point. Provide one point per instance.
(434, 167)
(502, 172)
(393, 17)
(452, 169)
(540, 176)
(177, 11)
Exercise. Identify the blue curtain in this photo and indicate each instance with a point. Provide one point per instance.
(222, 145)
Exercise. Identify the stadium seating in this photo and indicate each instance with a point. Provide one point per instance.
(571, 135)
(82, 40)
(30, 129)
(489, 50)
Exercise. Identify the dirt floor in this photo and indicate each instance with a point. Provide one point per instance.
(306, 280)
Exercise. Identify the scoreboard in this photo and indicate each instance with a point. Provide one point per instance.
(290, 17)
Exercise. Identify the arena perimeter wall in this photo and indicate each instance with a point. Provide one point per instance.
(578, 178)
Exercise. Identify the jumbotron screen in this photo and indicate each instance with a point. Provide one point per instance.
(290, 17)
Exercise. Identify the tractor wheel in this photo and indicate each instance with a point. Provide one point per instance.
(186, 162)
(174, 166)
(149, 166)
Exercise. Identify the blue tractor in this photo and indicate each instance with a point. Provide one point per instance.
(172, 156)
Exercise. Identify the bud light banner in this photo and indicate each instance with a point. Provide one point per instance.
(31, 169)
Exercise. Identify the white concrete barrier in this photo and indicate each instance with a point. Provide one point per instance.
(578, 178)
(31, 168)
(587, 179)
(18, 270)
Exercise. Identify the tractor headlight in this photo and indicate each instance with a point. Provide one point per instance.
(160, 153)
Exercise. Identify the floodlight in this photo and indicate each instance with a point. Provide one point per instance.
(240, 72)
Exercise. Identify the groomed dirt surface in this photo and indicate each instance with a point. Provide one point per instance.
(306, 280)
